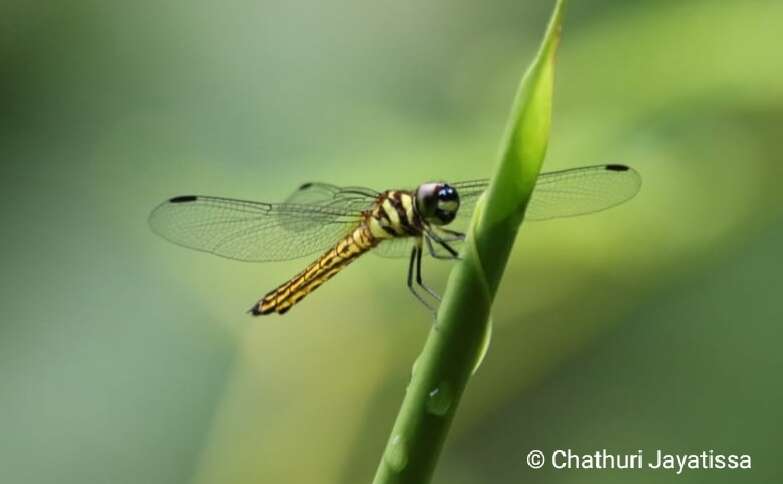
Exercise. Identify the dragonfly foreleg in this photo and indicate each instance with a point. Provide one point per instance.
(456, 235)
(414, 256)
(434, 253)
(443, 243)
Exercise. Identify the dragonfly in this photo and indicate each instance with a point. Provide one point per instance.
(343, 223)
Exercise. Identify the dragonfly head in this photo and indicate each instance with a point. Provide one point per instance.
(437, 203)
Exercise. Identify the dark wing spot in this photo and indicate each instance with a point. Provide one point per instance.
(305, 186)
(617, 167)
(184, 199)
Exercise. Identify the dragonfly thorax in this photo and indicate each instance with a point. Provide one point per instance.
(436, 203)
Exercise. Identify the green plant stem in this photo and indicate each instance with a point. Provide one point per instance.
(455, 342)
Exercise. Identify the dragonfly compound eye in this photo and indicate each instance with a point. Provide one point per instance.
(448, 204)
(437, 203)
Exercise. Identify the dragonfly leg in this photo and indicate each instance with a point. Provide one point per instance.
(456, 235)
(418, 275)
(410, 280)
(434, 253)
(449, 248)
(445, 245)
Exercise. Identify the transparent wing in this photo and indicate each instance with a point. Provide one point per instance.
(324, 193)
(566, 193)
(395, 248)
(401, 248)
(327, 196)
(252, 231)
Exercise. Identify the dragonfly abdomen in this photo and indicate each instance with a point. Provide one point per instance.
(348, 249)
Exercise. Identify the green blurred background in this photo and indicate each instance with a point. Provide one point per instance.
(125, 359)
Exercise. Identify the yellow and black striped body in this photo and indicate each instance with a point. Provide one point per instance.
(393, 215)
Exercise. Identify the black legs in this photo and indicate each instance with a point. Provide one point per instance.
(434, 253)
(453, 233)
(451, 236)
(415, 261)
(418, 275)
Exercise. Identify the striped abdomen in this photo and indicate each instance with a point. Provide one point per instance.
(392, 216)
(324, 268)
